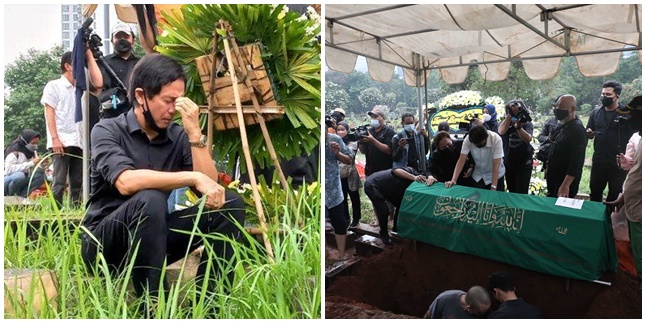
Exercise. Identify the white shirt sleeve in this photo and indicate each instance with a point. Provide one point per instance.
(466, 145)
(50, 96)
(14, 164)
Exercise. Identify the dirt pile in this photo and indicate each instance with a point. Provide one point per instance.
(406, 278)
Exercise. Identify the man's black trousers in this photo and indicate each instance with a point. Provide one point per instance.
(144, 220)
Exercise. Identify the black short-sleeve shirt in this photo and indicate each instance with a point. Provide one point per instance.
(390, 186)
(121, 67)
(119, 144)
(376, 160)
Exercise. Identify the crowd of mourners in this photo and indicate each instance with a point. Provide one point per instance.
(495, 153)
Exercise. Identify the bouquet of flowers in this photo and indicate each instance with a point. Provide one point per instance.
(460, 99)
(537, 186)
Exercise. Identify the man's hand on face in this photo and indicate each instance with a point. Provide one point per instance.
(211, 190)
(190, 113)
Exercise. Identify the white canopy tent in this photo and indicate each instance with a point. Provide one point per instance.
(451, 37)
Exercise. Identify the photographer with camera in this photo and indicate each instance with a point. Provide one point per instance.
(516, 133)
(410, 146)
(109, 80)
(376, 145)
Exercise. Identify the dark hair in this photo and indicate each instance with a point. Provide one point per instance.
(406, 115)
(477, 134)
(440, 135)
(613, 84)
(151, 73)
(501, 280)
(66, 59)
(443, 126)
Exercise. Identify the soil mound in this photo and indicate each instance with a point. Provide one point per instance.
(406, 278)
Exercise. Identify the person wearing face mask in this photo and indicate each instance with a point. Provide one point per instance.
(138, 158)
(410, 146)
(611, 133)
(350, 180)
(376, 146)
(122, 61)
(566, 157)
(63, 134)
(516, 135)
(489, 118)
(20, 161)
(485, 147)
(511, 306)
(446, 156)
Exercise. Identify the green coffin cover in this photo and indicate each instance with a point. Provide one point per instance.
(522, 230)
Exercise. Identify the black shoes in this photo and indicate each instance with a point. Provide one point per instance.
(386, 240)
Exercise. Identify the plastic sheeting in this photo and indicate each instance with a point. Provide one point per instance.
(452, 36)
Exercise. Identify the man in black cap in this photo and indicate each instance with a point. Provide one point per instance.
(511, 307)
(122, 61)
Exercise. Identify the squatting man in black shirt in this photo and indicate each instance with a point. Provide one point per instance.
(137, 159)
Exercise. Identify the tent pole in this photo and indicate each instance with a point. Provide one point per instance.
(418, 72)
(85, 134)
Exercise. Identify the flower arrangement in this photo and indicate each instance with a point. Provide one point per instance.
(461, 98)
(498, 103)
(537, 186)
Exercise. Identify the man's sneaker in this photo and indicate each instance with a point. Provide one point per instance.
(386, 240)
(393, 233)
(354, 224)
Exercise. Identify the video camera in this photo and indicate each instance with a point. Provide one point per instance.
(114, 101)
(523, 113)
(333, 118)
(354, 134)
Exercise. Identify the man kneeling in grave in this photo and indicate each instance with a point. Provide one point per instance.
(138, 158)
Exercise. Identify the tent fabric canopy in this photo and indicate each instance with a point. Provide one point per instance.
(453, 36)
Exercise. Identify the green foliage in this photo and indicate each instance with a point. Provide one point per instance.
(370, 97)
(538, 95)
(292, 58)
(25, 79)
(287, 288)
(335, 97)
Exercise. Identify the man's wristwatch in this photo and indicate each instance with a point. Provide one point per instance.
(200, 143)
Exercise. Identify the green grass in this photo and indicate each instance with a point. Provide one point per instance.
(287, 288)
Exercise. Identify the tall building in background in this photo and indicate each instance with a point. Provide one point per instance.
(71, 19)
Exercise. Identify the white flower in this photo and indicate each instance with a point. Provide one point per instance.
(466, 98)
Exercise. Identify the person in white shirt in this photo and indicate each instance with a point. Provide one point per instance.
(21, 176)
(63, 134)
(485, 147)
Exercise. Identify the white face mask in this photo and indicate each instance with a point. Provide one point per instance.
(375, 123)
(31, 147)
(409, 127)
(487, 117)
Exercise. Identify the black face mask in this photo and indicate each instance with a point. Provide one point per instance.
(149, 119)
(561, 114)
(122, 46)
(606, 101)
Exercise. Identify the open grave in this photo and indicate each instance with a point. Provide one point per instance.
(403, 280)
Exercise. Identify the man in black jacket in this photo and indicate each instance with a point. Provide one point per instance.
(565, 162)
(611, 132)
